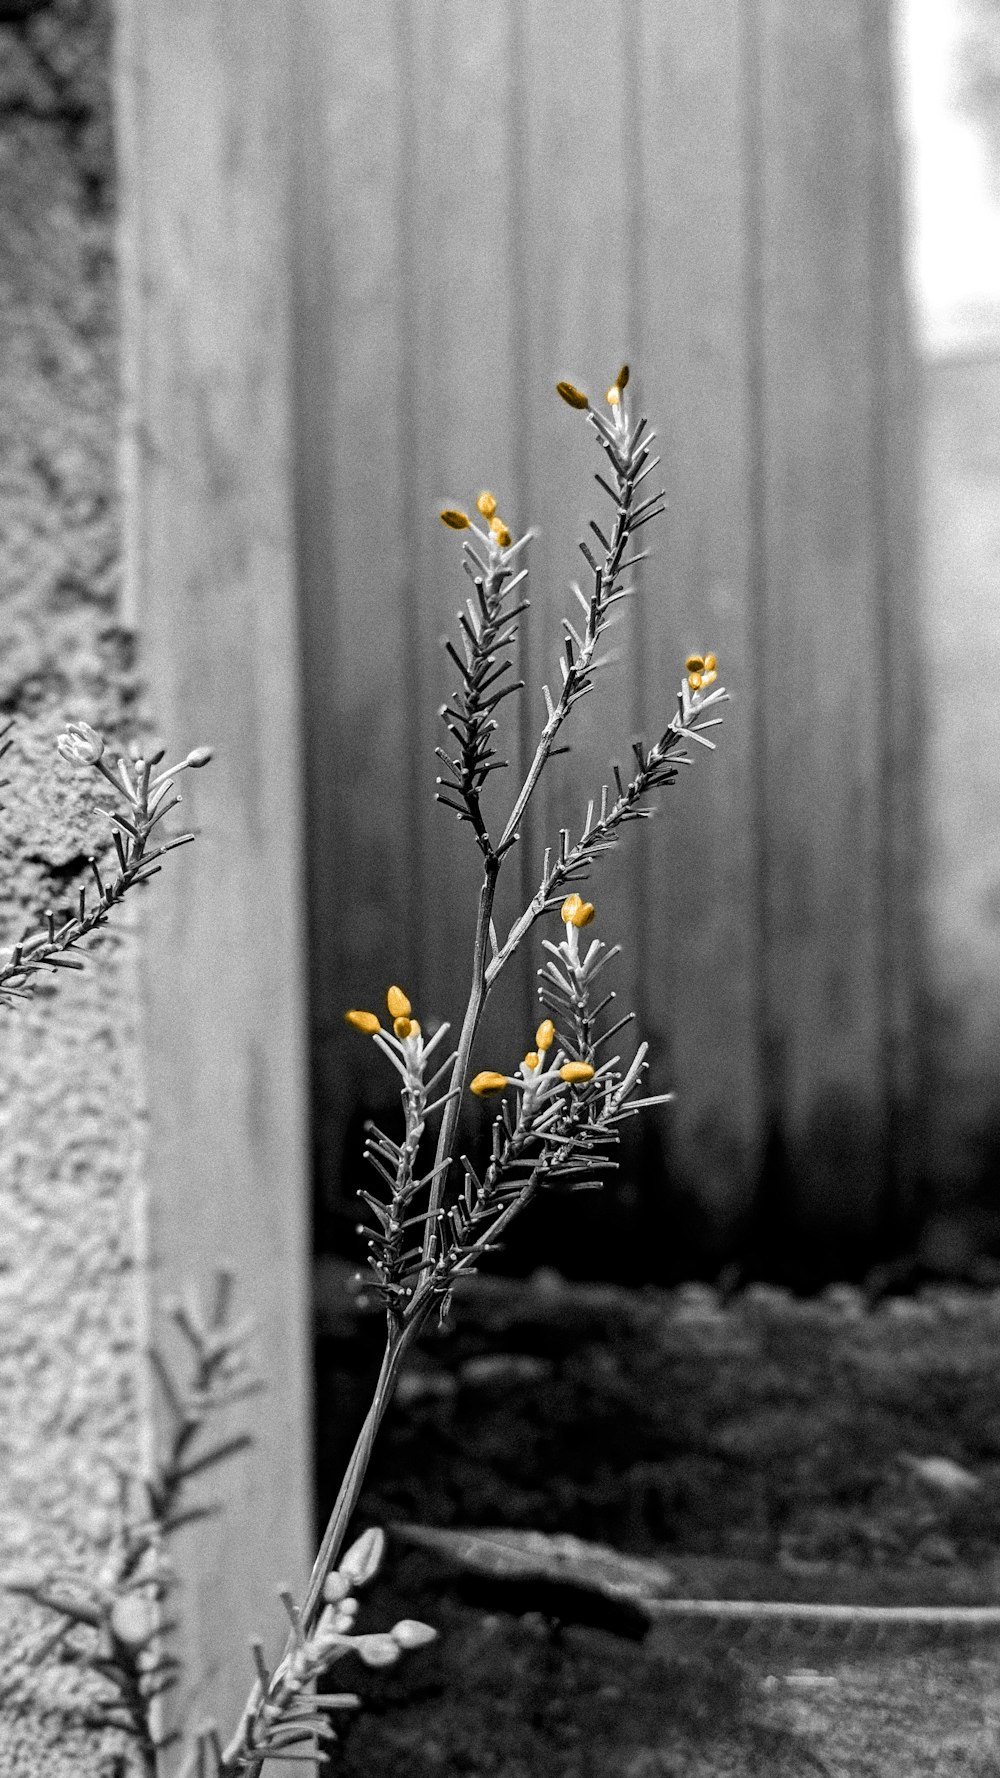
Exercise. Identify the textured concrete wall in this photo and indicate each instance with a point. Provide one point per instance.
(68, 1091)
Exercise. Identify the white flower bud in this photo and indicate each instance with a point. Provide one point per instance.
(378, 1650)
(133, 1620)
(411, 1633)
(345, 1613)
(336, 1587)
(364, 1558)
(81, 745)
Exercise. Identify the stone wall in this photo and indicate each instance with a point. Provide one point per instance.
(68, 1080)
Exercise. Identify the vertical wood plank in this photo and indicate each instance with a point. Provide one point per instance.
(825, 756)
(896, 419)
(352, 354)
(202, 114)
(702, 930)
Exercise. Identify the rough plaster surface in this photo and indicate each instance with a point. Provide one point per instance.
(68, 1088)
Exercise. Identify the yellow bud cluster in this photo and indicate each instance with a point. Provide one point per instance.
(400, 1012)
(702, 671)
(486, 504)
(577, 912)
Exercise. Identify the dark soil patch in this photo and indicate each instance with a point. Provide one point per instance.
(766, 1449)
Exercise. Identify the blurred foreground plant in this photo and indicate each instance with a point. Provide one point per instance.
(112, 1621)
(142, 802)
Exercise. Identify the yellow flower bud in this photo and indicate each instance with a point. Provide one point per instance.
(694, 681)
(709, 678)
(613, 396)
(501, 535)
(575, 397)
(711, 663)
(532, 1060)
(583, 915)
(695, 663)
(403, 1027)
(622, 377)
(486, 1083)
(576, 1072)
(365, 1022)
(486, 504)
(454, 519)
(545, 1036)
(399, 1006)
(569, 908)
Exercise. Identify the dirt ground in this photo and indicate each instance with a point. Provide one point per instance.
(768, 1449)
(513, 1698)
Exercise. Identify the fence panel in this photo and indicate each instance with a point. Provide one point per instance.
(829, 897)
(495, 199)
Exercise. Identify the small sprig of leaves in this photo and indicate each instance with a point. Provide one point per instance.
(570, 1103)
(656, 767)
(122, 1611)
(488, 627)
(628, 448)
(391, 1254)
(144, 799)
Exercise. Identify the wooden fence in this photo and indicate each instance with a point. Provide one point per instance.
(488, 198)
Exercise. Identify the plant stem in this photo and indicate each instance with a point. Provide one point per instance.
(470, 1024)
(354, 1476)
(340, 1518)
